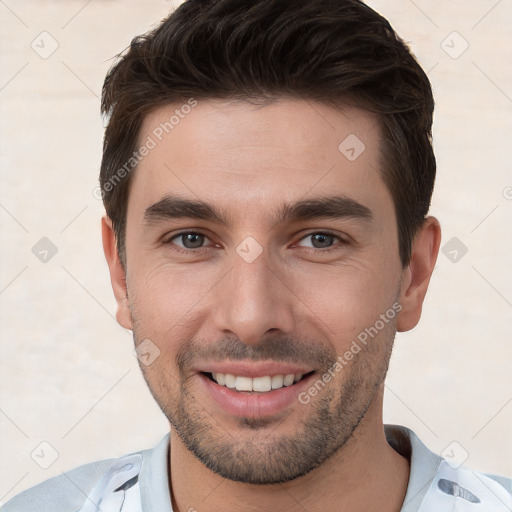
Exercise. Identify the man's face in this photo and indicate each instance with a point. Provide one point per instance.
(268, 292)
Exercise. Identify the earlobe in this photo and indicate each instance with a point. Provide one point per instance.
(117, 273)
(416, 276)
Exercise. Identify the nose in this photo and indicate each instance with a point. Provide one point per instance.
(253, 300)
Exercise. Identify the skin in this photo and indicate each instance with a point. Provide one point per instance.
(248, 161)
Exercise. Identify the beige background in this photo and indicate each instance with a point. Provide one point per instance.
(68, 374)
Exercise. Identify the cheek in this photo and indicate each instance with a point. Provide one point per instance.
(162, 294)
(347, 298)
(341, 298)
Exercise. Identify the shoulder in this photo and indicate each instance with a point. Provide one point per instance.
(505, 482)
(66, 492)
(437, 483)
(138, 477)
(463, 489)
(85, 487)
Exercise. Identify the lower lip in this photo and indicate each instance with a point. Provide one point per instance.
(254, 405)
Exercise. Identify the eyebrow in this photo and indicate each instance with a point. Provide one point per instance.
(330, 207)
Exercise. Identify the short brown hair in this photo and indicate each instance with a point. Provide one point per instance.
(337, 52)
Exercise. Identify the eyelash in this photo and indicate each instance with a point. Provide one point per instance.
(308, 249)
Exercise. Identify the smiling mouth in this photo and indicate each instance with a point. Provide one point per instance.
(263, 384)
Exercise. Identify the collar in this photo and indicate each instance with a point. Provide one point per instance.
(140, 482)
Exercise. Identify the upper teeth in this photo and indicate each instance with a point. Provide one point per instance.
(261, 384)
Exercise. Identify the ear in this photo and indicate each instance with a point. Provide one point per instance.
(416, 276)
(117, 273)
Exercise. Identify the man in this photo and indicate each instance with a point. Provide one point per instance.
(267, 173)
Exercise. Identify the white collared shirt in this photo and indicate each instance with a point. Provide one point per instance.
(139, 482)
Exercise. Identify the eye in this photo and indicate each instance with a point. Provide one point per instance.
(190, 240)
(323, 241)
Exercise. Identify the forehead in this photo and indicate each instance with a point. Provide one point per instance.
(243, 156)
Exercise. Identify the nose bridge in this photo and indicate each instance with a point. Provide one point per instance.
(251, 299)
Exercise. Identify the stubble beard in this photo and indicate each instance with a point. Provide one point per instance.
(250, 450)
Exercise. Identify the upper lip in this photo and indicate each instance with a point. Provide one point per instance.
(253, 368)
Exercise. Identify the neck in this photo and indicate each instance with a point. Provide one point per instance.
(366, 474)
